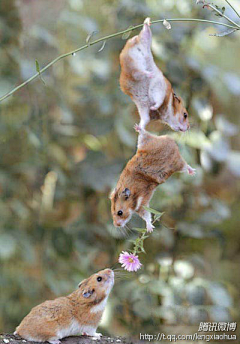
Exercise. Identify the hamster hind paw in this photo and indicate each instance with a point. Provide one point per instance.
(149, 74)
(147, 21)
(191, 171)
(154, 107)
(96, 336)
(54, 341)
(137, 127)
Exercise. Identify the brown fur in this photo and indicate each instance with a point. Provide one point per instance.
(156, 159)
(127, 79)
(172, 110)
(44, 320)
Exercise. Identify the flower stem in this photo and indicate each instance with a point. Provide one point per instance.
(234, 9)
(236, 26)
(223, 15)
(139, 242)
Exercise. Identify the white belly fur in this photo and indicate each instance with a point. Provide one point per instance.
(75, 329)
(100, 307)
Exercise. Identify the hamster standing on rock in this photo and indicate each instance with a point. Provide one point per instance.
(144, 82)
(76, 314)
(157, 158)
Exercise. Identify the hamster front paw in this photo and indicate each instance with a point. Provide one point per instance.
(150, 227)
(149, 74)
(191, 171)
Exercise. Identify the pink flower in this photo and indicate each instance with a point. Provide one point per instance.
(129, 261)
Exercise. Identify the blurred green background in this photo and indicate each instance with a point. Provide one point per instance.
(65, 142)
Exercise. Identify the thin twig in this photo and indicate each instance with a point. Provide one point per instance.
(234, 9)
(106, 38)
(223, 15)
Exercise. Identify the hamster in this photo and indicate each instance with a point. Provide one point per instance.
(156, 159)
(149, 89)
(76, 314)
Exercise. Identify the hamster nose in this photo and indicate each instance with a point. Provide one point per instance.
(109, 271)
(117, 224)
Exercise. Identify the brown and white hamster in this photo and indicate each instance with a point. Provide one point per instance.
(156, 159)
(149, 89)
(76, 314)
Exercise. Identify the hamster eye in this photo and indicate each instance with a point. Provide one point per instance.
(120, 213)
(185, 115)
(99, 278)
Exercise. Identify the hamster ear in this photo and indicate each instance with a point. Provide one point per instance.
(126, 193)
(112, 193)
(176, 97)
(81, 283)
(88, 293)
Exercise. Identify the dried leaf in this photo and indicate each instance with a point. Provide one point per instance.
(90, 36)
(222, 34)
(220, 10)
(37, 66)
(167, 24)
(128, 33)
(102, 47)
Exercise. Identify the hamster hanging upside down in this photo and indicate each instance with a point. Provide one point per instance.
(144, 82)
(76, 314)
(157, 158)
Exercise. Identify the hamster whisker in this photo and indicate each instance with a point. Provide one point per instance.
(114, 267)
(125, 231)
(192, 125)
(119, 270)
(129, 229)
(120, 273)
(123, 276)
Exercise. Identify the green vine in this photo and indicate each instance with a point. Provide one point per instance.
(234, 26)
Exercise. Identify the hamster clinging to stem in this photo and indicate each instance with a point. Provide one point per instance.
(149, 89)
(76, 314)
(156, 159)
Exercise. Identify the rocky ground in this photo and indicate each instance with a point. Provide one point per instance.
(12, 339)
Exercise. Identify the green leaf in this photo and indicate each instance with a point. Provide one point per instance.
(153, 211)
(157, 217)
(38, 70)
(132, 241)
(141, 230)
